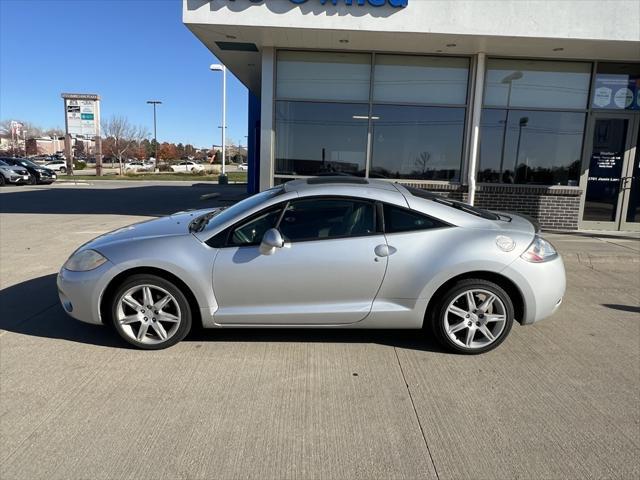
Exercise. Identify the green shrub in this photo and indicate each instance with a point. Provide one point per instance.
(164, 167)
(79, 165)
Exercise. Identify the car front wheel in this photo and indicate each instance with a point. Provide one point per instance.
(474, 316)
(150, 312)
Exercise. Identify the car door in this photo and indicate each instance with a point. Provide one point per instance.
(327, 272)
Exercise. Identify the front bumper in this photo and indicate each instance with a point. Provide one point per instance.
(81, 292)
(542, 286)
(18, 179)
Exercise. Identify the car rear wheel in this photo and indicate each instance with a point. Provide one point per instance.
(474, 316)
(2, 181)
(63, 170)
(150, 312)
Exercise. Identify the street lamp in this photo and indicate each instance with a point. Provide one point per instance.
(155, 136)
(509, 79)
(523, 123)
(216, 67)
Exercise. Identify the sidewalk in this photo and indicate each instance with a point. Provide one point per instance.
(616, 249)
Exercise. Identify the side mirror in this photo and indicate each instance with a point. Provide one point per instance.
(271, 240)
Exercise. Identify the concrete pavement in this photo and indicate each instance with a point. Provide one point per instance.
(560, 399)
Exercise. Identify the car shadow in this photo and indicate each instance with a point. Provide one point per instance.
(32, 308)
(622, 308)
(142, 200)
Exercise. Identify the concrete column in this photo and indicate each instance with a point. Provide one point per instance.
(476, 113)
(267, 138)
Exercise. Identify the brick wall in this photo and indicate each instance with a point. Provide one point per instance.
(556, 208)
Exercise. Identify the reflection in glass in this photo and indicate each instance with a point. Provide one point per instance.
(323, 75)
(537, 84)
(542, 148)
(605, 170)
(315, 138)
(417, 142)
(420, 79)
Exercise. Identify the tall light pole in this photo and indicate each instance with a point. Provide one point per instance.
(216, 67)
(155, 136)
(509, 79)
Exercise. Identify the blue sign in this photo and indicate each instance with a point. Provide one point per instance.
(373, 3)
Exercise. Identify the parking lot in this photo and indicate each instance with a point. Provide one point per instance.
(559, 399)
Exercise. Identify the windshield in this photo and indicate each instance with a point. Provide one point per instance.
(27, 163)
(213, 219)
(465, 207)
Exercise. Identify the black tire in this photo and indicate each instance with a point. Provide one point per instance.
(438, 316)
(63, 170)
(33, 180)
(184, 325)
(2, 180)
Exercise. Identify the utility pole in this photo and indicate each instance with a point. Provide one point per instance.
(155, 135)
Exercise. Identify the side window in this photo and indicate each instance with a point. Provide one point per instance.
(322, 218)
(398, 219)
(251, 232)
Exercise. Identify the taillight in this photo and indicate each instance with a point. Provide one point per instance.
(539, 251)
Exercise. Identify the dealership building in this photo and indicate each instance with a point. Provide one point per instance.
(528, 106)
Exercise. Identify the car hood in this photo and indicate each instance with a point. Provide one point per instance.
(171, 225)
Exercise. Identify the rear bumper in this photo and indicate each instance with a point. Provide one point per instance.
(542, 286)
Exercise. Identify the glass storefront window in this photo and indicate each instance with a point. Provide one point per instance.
(537, 147)
(323, 76)
(417, 142)
(420, 79)
(314, 138)
(617, 86)
(537, 84)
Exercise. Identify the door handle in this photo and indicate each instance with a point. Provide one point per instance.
(623, 183)
(384, 250)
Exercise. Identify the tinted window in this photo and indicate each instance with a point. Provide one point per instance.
(537, 147)
(314, 138)
(251, 232)
(417, 142)
(327, 218)
(402, 220)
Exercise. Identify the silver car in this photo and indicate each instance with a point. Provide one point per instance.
(325, 252)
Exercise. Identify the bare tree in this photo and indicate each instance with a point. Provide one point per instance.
(122, 137)
(422, 162)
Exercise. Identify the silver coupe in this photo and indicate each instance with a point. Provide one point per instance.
(324, 252)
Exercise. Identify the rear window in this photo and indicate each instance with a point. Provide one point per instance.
(465, 207)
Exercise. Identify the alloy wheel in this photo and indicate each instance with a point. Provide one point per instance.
(475, 318)
(148, 314)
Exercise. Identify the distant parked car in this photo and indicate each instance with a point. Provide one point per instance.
(187, 166)
(243, 167)
(137, 167)
(12, 174)
(37, 173)
(57, 165)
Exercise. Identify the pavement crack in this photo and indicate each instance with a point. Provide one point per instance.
(415, 412)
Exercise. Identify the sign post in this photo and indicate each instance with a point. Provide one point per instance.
(82, 119)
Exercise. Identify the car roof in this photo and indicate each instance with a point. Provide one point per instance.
(318, 183)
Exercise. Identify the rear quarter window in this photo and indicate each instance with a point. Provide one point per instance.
(397, 219)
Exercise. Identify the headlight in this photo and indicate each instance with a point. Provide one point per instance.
(539, 251)
(84, 261)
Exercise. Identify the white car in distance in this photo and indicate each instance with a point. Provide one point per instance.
(57, 165)
(137, 167)
(187, 166)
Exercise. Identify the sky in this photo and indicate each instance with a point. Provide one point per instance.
(126, 51)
